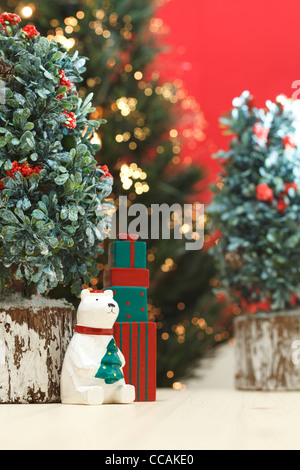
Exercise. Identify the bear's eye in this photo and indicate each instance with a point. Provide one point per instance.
(97, 299)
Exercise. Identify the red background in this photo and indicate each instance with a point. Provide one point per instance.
(223, 47)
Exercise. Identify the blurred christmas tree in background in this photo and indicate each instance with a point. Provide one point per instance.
(150, 124)
(256, 206)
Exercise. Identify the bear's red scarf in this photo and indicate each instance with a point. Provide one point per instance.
(86, 330)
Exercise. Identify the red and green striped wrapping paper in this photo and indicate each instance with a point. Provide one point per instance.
(137, 341)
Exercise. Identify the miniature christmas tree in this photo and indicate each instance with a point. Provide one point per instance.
(256, 207)
(109, 369)
(53, 212)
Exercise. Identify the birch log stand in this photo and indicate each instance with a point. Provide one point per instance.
(264, 354)
(34, 335)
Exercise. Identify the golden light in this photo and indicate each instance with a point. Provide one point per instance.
(59, 37)
(96, 140)
(132, 172)
(100, 14)
(185, 228)
(168, 265)
(202, 323)
(132, 145)
(218, 337)
(126, 105)
(27, 11)
(180, 330)
(94, 281)
(73, 21)
(178, 386)
(54, 23)
(138, 75)
(156, 24)
(91, 82)
(119, 138)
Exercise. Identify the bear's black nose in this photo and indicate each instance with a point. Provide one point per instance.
(111, 305)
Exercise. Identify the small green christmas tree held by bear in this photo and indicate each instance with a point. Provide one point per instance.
(110, 367)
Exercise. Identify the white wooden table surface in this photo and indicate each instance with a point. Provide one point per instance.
(209, 414)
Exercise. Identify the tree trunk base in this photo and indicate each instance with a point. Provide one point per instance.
(34, 335)
(264, 353)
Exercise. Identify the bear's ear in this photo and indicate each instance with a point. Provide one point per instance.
(109, 293)
(84, 293)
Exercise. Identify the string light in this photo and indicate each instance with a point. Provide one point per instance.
(138, 75)
(71, 21)
(178, 386)
(173, 133)
(100, 14)
(80, 15)
(133, 172)
(168, 265)
(156, 25)
(96, 140)
(126, 105)
(60, 38)
(132, 145)
(54, 22)
(27, 12)
(202, 323)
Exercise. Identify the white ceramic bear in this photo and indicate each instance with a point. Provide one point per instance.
(92, 367)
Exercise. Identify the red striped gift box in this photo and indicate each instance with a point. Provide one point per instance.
(137, 341)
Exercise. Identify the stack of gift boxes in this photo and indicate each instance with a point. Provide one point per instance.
(128, 278)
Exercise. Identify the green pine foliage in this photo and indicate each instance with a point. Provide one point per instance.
(257, 211)
(52, 191)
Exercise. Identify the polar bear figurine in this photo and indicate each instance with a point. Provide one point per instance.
(92, 371)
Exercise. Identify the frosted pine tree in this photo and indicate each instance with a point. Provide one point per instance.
(53, 208)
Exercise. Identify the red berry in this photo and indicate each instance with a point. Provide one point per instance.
(30, 31)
